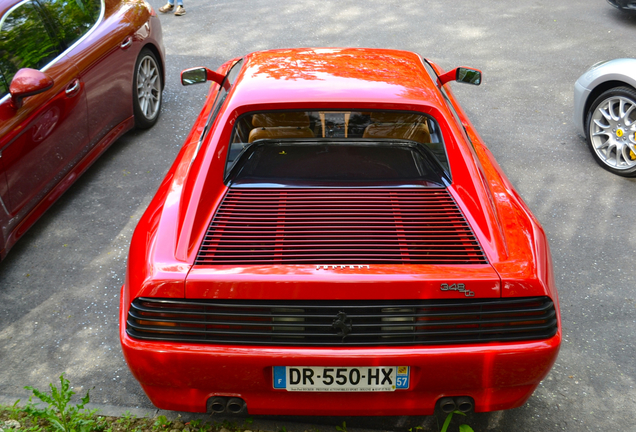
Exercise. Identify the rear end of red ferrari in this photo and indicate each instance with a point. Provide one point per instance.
(306, 357)
(339, 259)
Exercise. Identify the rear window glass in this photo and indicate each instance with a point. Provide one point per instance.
(335, 147)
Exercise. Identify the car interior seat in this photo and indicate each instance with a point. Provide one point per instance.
(398, 126)
(280, 126)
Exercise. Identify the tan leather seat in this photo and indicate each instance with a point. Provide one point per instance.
(398, 126)
(280, 126)
(282, 132)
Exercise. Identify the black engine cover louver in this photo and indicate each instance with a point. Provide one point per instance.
(339, 226)
(342, 323)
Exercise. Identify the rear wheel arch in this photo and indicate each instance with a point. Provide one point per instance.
(596, 92)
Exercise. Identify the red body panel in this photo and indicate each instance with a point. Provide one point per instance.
(182, 376)
(57, 134)
(39, 139)
(303, 282)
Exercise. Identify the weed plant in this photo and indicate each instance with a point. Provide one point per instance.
(462, 427)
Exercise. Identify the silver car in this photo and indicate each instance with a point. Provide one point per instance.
(623, 4)
(605, 112)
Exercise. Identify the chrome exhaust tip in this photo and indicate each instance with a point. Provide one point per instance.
(447, 405)
(236, 405)
(464, 403)
(217, 404)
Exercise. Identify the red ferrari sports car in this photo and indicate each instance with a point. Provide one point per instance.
(74, 76)
(335, 239)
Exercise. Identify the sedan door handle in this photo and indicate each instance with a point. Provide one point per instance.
(73, 88)
(127, 42)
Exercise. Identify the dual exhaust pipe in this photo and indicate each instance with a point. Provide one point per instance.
(233, 405)
(461, 403)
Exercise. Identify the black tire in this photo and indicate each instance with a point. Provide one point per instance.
(147, 89)
(610, 129)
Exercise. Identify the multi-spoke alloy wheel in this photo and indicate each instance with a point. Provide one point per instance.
(611, 129)
(147, 90)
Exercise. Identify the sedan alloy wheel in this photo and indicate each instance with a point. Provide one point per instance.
(147, 92)
(611, 129)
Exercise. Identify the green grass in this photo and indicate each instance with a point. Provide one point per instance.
(127, 423)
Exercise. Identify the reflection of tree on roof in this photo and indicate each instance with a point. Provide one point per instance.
(395, 67)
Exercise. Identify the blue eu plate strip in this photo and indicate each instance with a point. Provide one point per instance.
(403, 377)
(280, 377)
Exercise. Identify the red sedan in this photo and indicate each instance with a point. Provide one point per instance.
(74, 76)
(334, 238)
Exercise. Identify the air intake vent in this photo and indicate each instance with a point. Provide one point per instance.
(339, 226)
(342, 323)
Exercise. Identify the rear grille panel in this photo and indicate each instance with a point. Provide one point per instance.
(339, 226)
(342, 323)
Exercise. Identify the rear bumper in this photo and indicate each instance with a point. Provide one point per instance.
(182, 377)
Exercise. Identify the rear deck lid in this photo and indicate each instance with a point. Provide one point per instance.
(340, 243)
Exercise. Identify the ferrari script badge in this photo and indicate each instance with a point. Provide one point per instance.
(346, 266)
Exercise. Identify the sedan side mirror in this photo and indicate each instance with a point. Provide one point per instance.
(200, 75)
(28, 82)
(463, 75)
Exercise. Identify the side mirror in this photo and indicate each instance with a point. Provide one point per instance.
(28, 82)
(461, 74)
(200, 75)
(468, 76)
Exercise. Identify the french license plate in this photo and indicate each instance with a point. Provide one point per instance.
(343, 379)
